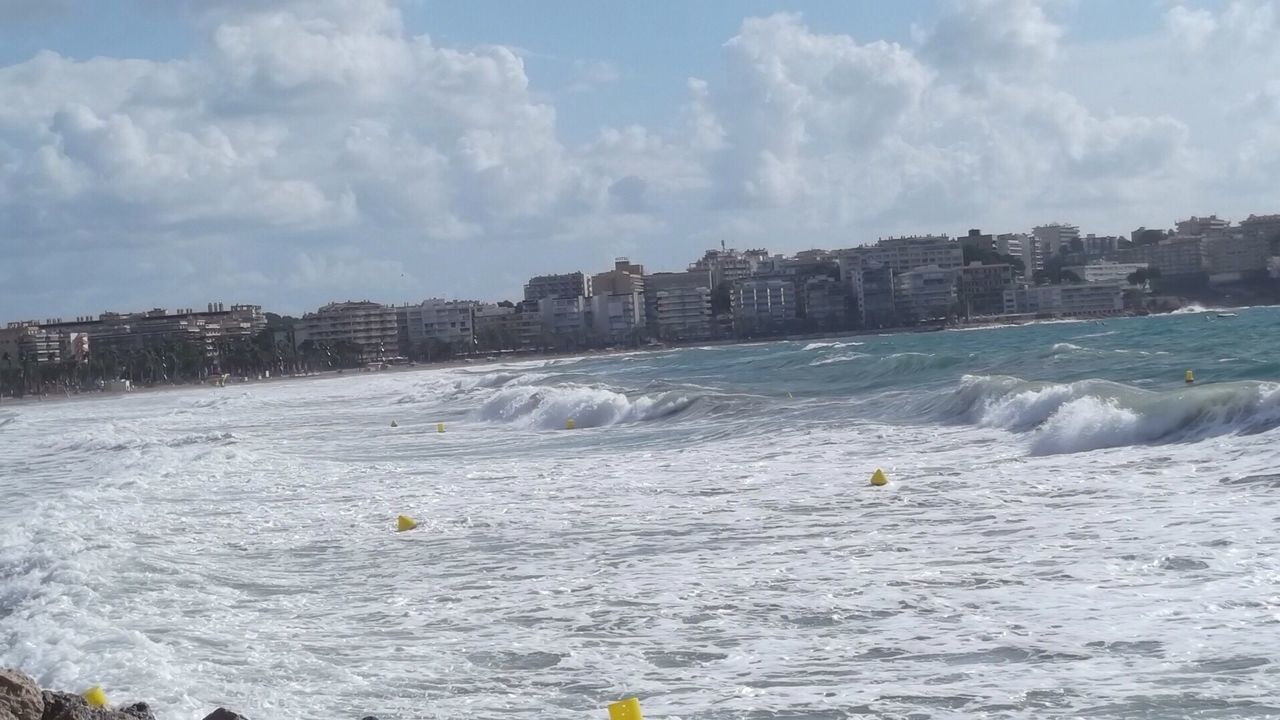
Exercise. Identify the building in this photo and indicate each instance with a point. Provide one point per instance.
(625, 278)
(826, 303)
(1175, 257)
(1100, 245)
(980, 288)
(1053, 237)
(763, 305)
(209, 332)
(566, 321)
(26, 343)
(436, 326)
(976, 240)
(1068, 300)
(727, 266)
(496, 327)
(1232, 257)
(567, 285)
(1105, 271)
(1266, 227)
(1202, 226)
(368, 325)
(619, 318)
(1023, 247)
(927, 293)
(678, 305)
(903, 254)
(876, 297)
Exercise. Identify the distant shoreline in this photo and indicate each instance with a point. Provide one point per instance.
(486, 359)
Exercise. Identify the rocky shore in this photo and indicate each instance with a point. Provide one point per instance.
(22, 699)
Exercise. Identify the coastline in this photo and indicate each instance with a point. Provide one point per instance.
(493, 359)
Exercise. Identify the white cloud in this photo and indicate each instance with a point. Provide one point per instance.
(312, 150)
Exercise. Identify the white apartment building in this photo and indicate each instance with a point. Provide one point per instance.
(1105, 271)
(926, 293)
(1073, 300)
(903, 254)
(1054, 236)
(438, 321)
(369, 325)
(618, 319)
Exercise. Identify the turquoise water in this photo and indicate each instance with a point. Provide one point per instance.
(1069, 531)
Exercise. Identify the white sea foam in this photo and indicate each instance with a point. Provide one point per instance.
(1043, 548)
(831, 345)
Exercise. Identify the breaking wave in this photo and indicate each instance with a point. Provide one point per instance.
(551, 407)
(831, 345)
(1095, 414)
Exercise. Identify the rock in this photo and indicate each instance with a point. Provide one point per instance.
(369, 717)
(65, 706)
(224, 714)
(20, 697)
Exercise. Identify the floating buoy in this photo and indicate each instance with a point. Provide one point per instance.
(395, 424)
(569, 424)
(95, 696)
(878, 478)
(1191, 377)
(404, 522)
(439, 427)
(628, 709)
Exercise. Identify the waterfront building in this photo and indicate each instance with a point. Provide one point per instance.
(763, 305)
(566, 285)
(370, 326)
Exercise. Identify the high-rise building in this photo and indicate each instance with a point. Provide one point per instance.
(763, 305)
(826, 303)
(903, 254)
(566, 285)
(927, 293)
(625, 278)
(435, 324)
(1052, 238)
(678, 305)
(980, 288)
(1202, 226)
(368, 325)
(618, 318)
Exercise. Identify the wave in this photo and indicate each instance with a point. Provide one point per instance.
(1063, 347)
(1191, 309)
(831, 345)
(552, 407)
(1094, 414)
(836, 359)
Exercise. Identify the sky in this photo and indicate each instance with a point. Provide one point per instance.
(288, 153)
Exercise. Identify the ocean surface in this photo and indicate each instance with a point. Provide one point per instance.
(1069, 531)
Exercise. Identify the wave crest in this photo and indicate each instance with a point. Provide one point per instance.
(550, 407)
(1095, 414)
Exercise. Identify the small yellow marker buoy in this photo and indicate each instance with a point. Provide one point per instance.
(395, 424)
(95, 696)
(439, 427)
(1191, 377)
(628, 709)
(404, 522)
(569, 424)
(878, 478)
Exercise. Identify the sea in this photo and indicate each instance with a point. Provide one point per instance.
(1070, 530)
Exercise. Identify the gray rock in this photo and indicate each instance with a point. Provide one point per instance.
(66, 706)
(224, 714)
(20, 697)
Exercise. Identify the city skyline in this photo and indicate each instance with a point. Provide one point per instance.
(291, 153)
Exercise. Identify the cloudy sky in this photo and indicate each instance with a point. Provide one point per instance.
(290, 152)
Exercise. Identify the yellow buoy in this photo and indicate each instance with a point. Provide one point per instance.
(878, 478)
(569, 424)
(95, 696)
(404, 522)
(1191, 377)
(395, 424)
(628, 709)
(439, 427)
